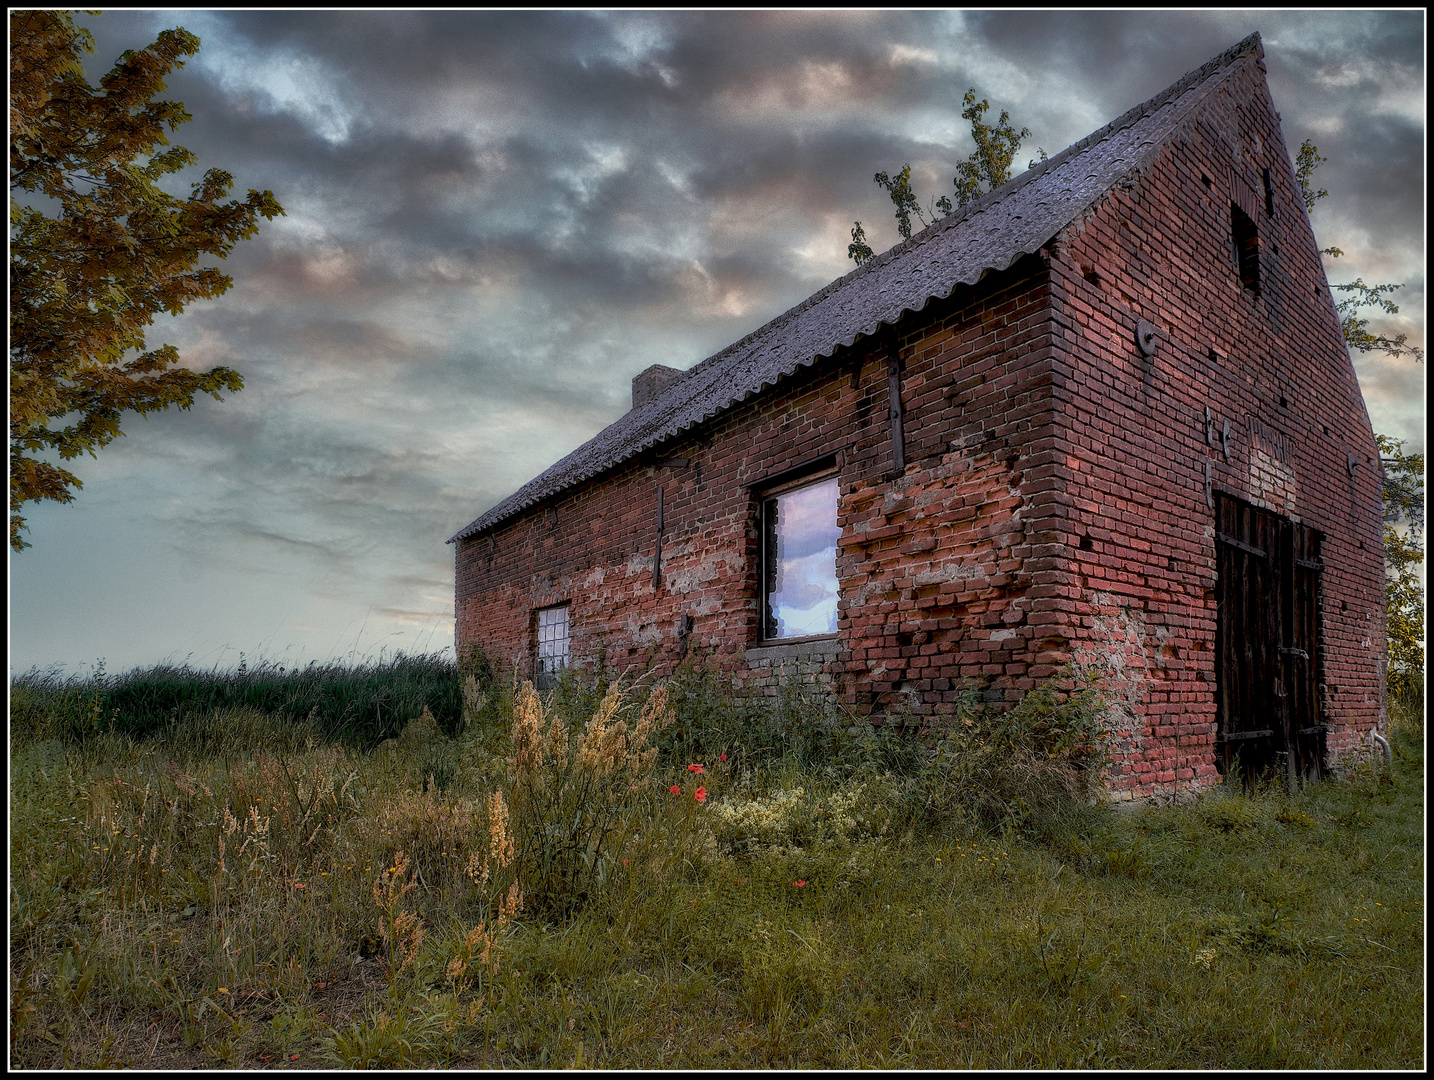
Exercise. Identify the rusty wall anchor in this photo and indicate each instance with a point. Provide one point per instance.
(1145, 339)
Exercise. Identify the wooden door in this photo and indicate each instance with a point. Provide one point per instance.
(1267, 643)
(1301, 651)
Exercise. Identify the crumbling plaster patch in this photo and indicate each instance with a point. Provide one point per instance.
(1272, 483)
(693, 577)
(1119, 656)
(642, 632)
(956, 570)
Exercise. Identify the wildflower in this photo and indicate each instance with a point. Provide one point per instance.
(721, 757)
(222, 990)
(675, 790)
(701, 795)
(694, 768)
(298, 884)
(800, 884)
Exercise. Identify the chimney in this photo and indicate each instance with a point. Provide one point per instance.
(652, 382)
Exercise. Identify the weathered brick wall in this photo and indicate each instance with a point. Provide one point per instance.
(932, 566)
(1053, 505)
(812, 665)
(1140, 535)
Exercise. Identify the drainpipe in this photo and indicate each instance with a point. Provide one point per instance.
(1383, 743)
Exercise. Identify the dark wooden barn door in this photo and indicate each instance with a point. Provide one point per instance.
(1267, 643)
(1301, 650)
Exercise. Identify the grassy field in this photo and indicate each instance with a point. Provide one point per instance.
(202, 875)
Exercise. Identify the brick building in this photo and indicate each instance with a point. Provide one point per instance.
(1104, 414)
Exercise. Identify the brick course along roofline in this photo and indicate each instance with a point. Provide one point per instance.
(986, 236)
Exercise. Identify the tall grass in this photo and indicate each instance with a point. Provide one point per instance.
(835, 898)
(359, 704)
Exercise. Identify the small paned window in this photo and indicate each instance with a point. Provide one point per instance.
(799, 544)
(552, 630)
(1246, 239)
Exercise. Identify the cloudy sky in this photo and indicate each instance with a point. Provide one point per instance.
(496, 220)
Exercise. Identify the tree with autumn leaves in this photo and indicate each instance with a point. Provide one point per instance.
(1403, 555)
(1403, 474)
(98, 248)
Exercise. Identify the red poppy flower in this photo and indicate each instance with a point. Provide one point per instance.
(694, 768)
(701, 795)
(721, 757)
(675, 790)
(799, 884)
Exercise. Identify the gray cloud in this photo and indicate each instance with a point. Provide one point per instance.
(497, 218)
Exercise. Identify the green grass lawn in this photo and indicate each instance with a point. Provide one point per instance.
(182, 901)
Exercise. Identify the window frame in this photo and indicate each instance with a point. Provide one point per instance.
(545, 680)
(786, 483)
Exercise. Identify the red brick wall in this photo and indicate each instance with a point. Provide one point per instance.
(1135, 446)
(1053, 504)
(933, 565)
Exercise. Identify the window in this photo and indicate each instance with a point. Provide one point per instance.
(799, 542)
(552, 628)
(1246, 239)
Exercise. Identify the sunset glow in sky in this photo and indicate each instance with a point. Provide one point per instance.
(495, 220)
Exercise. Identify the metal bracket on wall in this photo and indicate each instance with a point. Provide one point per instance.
(1209, 427)
(684, 631)
(1251, 549)
(681, 463)
(1209, 485)
(1351, 462)
(492, 545)
(893, 390)
(657, 555)
(1225, 441)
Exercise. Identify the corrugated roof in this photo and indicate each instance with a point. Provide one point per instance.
(986, 235)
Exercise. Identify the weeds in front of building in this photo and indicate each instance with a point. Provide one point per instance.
(627, 874)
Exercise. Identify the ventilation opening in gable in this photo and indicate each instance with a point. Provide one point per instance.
(1246, 239)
